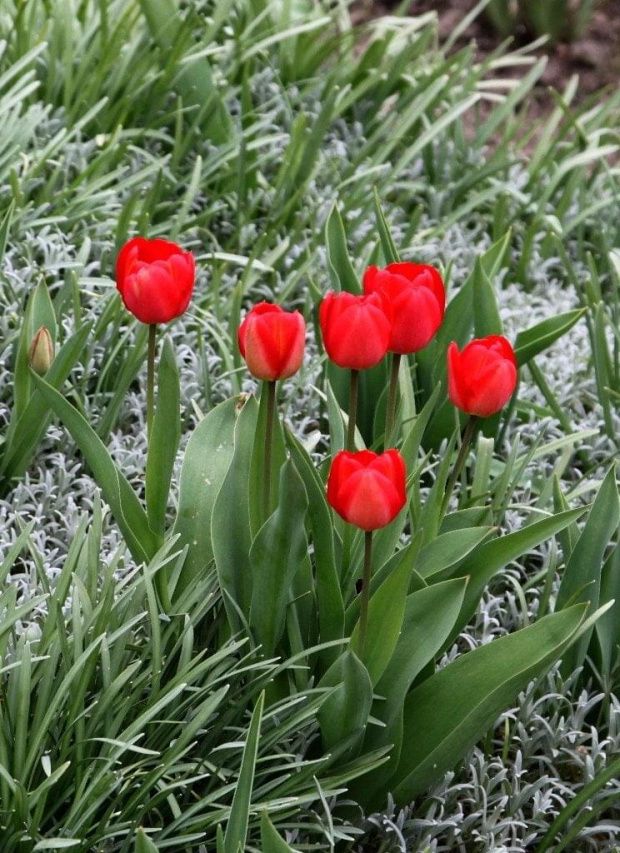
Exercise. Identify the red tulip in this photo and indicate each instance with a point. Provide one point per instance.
(483, 377)
(418, 300)
(272, 341)
(155, 279)
(367, 489)
(356, 329)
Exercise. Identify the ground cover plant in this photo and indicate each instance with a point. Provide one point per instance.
(167, 683)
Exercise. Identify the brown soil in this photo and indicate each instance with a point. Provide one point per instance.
(595, 56)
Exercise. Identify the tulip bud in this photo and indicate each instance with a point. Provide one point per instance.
(41, 352)
(417, 298)
(483, 376)
(155, 279)
(367, 489)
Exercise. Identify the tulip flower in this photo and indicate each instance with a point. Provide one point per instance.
(367, 490)
(41, 351)
(356, 333)
(417, 299)
(482, 378)
(272, 342)
(155, 279)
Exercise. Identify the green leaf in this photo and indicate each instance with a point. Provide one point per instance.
(23, 438)
(485, 561)
(340, 266)
(329, 597)
(144, 843)
(39, 312)
(123, 501)
(237, 828)
(581, 580)
(608, 626)
(390, 253)
(430, 615)
(533, 341)
(486, 310)
(385, 618)
(277, 553)
(164, 439)
(449, 549)
(271, 841)
(343, 716)
(446, 714)
(206, 462)
(230, 523)
(257, 469)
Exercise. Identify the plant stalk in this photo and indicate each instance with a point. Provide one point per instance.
(365, 600)
(150, 378)
(390, 414)
(468, 434)
(271, 410)
(353, 395)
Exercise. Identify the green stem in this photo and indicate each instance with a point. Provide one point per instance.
(353, 395)
(365, 600)
(460, 461)
(150, 378)
(271, 409)
(390, 414)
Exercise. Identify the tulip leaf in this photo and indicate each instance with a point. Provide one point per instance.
(608, 626)
(429, 617)
(581, 580)
(343, 716)
(487, 320)
(277, 552)
(390, 252)
(39, 312)
(448, 550)
(22, 440)
(123, 501)
(230, 522)
(329, 597)
(341, 270)
(144, 843)
(534, 340)
(164, 439)
(385, 618)
(205, 464)
(488, 559)
(237, 829)
(271, 841)
(446, 714)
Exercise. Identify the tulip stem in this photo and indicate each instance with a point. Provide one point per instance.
(150, 378)
(365, 600)
(271, 410)
(353, 395)
(390, 414)
(468, 434)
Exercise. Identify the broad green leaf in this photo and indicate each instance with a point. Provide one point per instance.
(230, 522)
(236, 831)
(164, 439)
(341, 269)
(39, 312)
(329, 597)
(205, 464)
(534, 340)
(343, 716)
(271, 841)
(385, 618)
(486, 310)
(144, 843)
(448, 550)
(485, 561)
(429, 618)
(276, 555)
(123, 501)
(581, 580)
(390, 252)
(257, 469)
(446, 714)
(608, 626)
